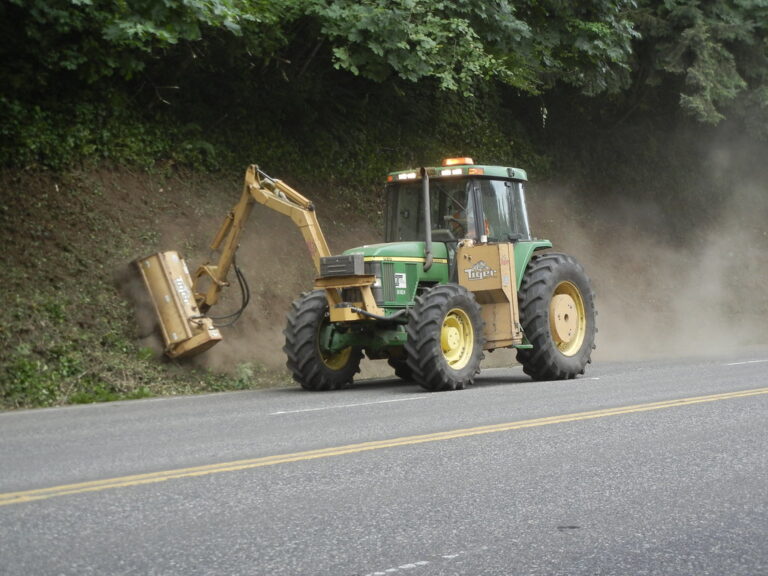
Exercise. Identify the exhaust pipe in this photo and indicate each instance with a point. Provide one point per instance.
(427, 220)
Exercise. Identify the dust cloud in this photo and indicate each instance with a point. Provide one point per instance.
(683, 275)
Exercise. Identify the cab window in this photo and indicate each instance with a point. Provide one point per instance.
(503, 209)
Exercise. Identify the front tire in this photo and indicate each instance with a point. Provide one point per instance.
(312, 365)
(445, 338)
(557, 312)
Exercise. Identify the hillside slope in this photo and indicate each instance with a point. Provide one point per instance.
(69, 331)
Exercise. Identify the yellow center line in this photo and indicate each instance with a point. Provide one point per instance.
(163, 476)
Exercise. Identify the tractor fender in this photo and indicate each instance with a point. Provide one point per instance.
(523, 254)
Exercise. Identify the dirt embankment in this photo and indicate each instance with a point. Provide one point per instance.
(67, 331)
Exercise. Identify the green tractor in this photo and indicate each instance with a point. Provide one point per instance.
(458, 273)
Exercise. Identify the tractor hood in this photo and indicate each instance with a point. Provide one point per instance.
(399, 270)
(400, 252)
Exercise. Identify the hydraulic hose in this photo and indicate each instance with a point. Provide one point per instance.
(245, 292)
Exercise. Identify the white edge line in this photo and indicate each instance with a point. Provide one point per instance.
(745, 362)
(346, 405)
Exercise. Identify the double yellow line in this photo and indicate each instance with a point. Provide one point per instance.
(155, 477)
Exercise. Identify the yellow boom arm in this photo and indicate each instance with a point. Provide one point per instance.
(180, 304)
(274, 194)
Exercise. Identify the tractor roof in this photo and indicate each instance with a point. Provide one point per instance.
(459, 167)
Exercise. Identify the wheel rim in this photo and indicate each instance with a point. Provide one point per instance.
(457, 338)
(336, 360)
(332, 360)
(567, 320)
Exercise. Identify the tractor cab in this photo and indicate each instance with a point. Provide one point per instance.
(482, 203)
(458, 203)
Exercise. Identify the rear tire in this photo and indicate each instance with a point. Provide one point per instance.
(313, 366)
(557, 312)
(445, 338)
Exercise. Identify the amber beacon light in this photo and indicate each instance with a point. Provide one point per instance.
(457, 161)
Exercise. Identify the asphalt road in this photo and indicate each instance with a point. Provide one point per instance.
(638, 468)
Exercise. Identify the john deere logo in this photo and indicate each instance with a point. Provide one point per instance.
(480, 271)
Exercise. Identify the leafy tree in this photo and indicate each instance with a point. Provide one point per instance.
(93, 39)
(71, 71)
(587, 45)
(460, 43)
(716, 50)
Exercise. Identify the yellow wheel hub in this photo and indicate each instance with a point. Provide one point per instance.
(567, 320)
(457, 338)
(336, 360)
(333, 360)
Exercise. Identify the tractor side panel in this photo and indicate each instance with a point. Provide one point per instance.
(400, 280)
(489, 272)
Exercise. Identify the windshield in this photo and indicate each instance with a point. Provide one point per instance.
(456, 208)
